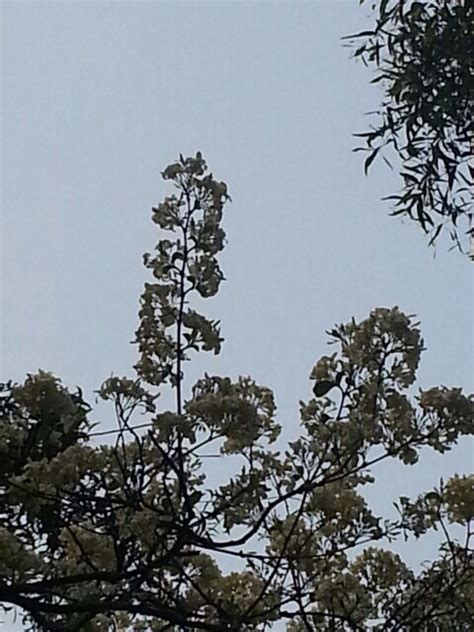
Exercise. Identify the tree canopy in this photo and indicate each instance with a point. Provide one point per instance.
(124, 528)
(423, 56)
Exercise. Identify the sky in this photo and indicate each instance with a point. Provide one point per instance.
(98, 97)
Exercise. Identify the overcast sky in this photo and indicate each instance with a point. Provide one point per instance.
(98, 97)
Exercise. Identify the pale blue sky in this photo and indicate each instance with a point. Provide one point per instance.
(97, 97)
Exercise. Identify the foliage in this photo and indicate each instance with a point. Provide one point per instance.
(424, 58)
(127, 535)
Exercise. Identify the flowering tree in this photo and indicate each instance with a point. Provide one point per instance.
(127, 535)
(422, 53)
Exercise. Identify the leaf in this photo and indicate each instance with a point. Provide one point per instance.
(356, 35)
(177, 256)
(378, 79)
(359, 51)
(383, 7)
(370, 160)
(321, 388)
(433, 496)
(409, 177)
(436, 232)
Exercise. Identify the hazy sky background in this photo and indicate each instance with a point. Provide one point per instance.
(98, 97)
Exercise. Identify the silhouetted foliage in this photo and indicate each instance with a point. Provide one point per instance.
(423, 55)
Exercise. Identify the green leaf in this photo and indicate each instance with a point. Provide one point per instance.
(321, 388)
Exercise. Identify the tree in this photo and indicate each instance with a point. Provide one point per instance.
(127, 534)
(423, 56)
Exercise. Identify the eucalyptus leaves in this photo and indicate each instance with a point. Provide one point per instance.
(423, 58)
